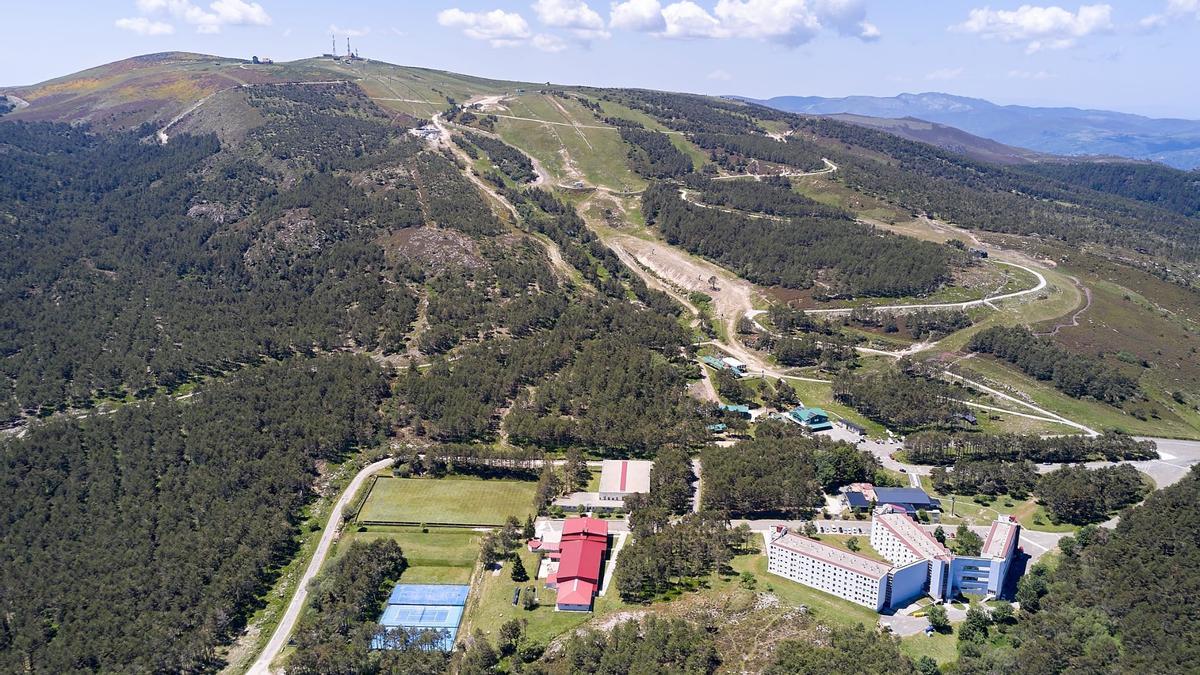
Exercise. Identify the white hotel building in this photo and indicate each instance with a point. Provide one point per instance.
(849, 576)
(919, 565)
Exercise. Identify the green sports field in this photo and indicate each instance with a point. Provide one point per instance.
(447, 501)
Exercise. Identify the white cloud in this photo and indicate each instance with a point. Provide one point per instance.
(791, 22)
(143, 26)
(219, 13)
(639, 15)
(869, 31)
(1175, 9)
(686, 19)
(720, 75)
(548, 43)
(942, 74)
(788, 22)
(575, 15)
(1040, 27)
(497, 27)
(341, 32)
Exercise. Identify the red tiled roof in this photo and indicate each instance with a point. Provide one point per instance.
(584, 526)
(576, 592)
(584, 542)
(581, 560)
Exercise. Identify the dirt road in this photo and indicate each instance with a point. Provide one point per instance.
(283, 631)
(552, 251)
(988, 301)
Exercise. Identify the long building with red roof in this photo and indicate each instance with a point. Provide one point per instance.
(581, 553)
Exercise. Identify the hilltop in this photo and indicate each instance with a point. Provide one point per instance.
(155, 88)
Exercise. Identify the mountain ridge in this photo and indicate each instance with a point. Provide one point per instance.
(1066, 131)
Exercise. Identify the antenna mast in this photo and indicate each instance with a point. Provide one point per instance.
(333, 40)
(348, 52)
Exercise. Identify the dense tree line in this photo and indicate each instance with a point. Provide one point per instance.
(779, 473)
(649, 645)
(608, 357)
(515, 292)
(1156, 184)
(450, 201)
(475, 459)
(772, 196)
(615, 396)
(849, 650)
(943, 449)
(986, 477)
(921, 323)
(662, 554)
(143, 539)
(688, 112)
(621, 122)
(653, 155)
(671, 480)
(794, 153)
(509, 160)
(856, 258)
(832, 353)
(1120, 601)
(1078, 495)
(324, 127)
(1073, 374)
(899, 398)
(338, 632)
(788, 320)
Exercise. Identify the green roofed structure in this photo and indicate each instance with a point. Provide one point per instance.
(813, 419)
(743, 410)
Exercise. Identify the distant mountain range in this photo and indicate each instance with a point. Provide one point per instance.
(1057, 131)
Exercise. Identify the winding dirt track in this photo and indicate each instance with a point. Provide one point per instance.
(262, 665)
(989, 300)
(1087, 304)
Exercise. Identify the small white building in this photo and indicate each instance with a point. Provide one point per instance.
(734, 365)
(620, 478)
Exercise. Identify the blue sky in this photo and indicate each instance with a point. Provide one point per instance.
(1137, 57)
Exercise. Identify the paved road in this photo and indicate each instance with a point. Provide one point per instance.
(283, 631)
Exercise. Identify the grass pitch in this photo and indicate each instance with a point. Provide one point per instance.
(447, 501)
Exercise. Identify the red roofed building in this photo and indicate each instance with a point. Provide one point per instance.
(582, 550)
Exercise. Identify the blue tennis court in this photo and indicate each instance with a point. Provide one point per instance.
(429, 594)
(421, 616)
(419, 607)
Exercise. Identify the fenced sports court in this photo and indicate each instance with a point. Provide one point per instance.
(420, 607)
